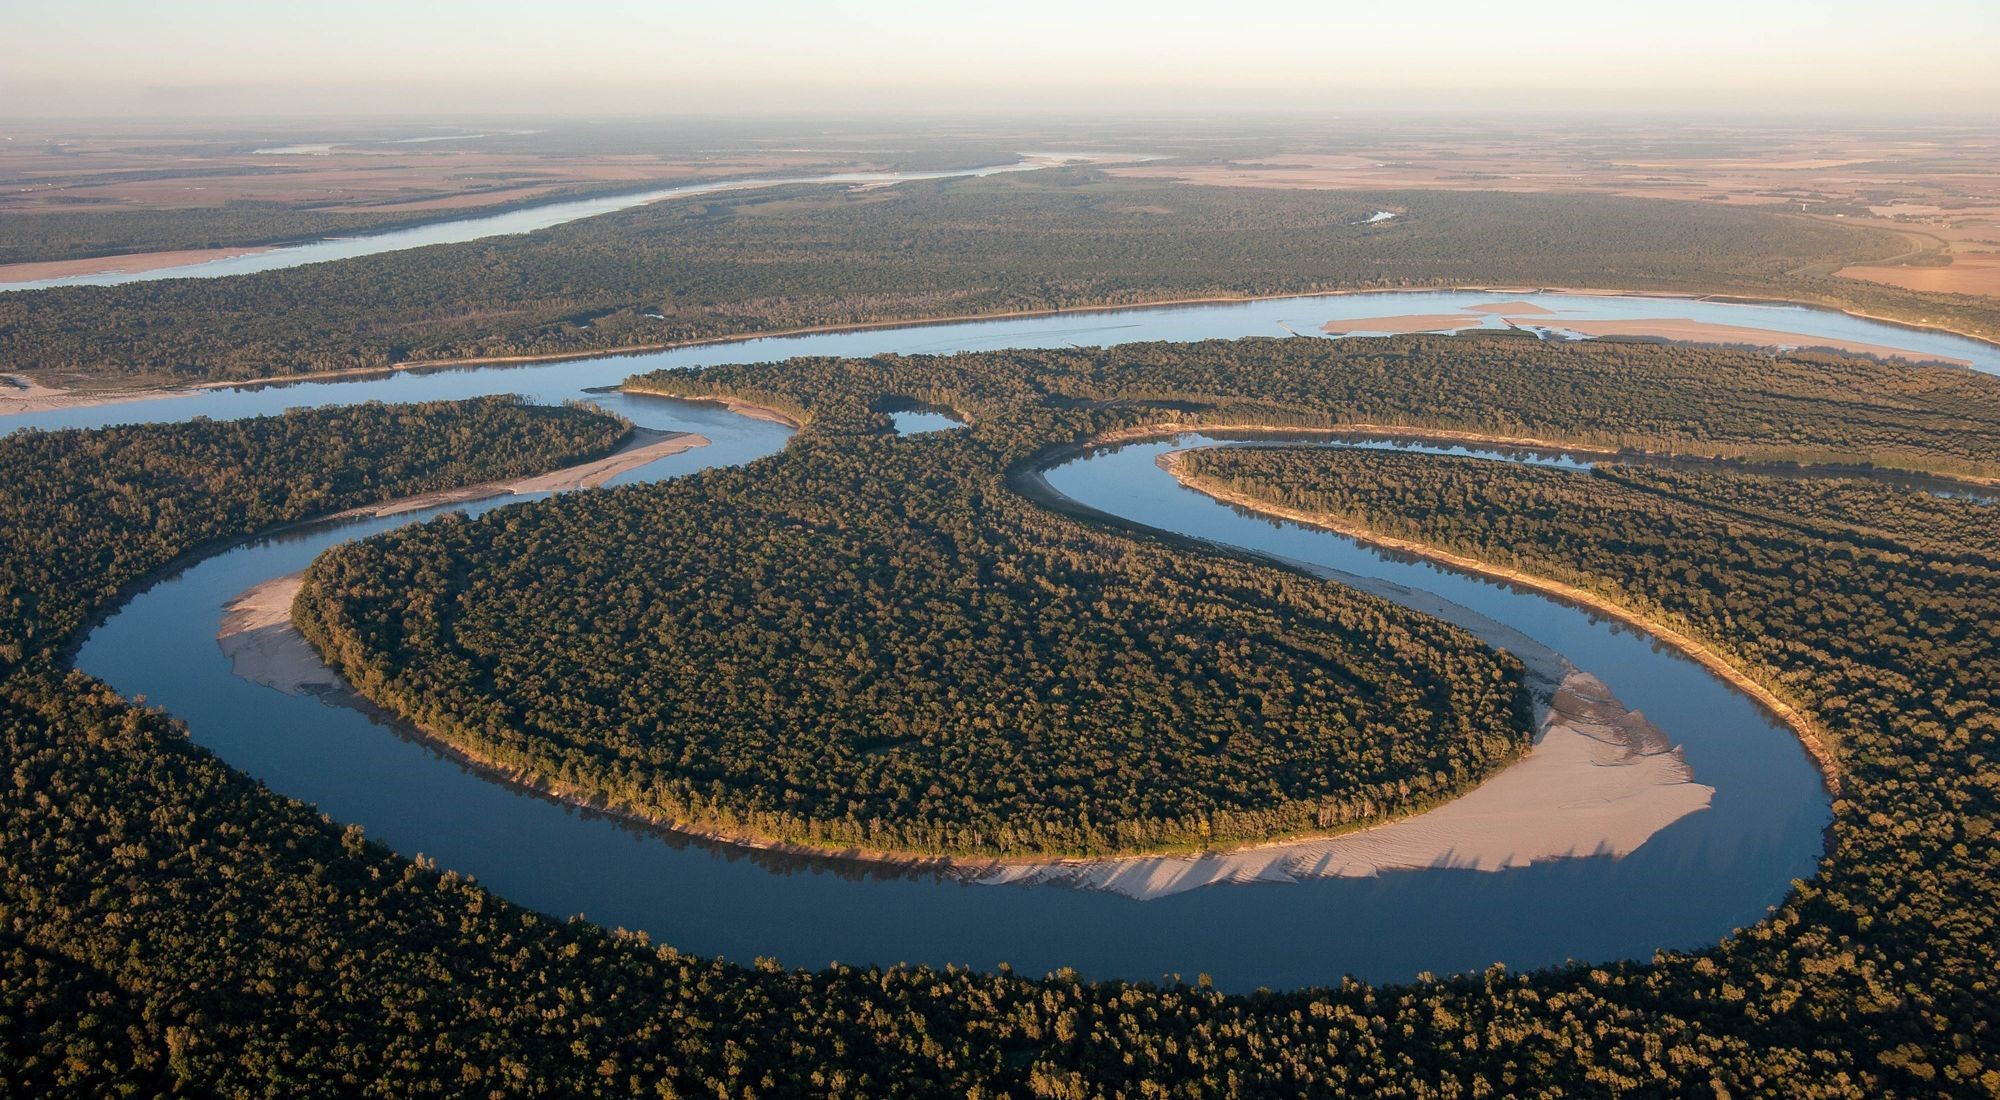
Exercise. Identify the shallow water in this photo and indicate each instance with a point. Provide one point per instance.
(923, 422)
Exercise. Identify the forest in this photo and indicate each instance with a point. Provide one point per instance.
(36, 237)
(1886, 561)
(866, 643)
(167, 925)
(799, 257)
(88, 512)
(1667, 400)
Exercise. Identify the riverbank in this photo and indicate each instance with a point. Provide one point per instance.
(257, 633)
(1453, 436)
(728, 404)
(1668, 330)
(1600, 780)
(1722, 667)
(643, 447)
(387, 370)
(1121, 307)
(20, 395)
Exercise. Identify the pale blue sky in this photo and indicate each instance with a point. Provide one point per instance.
(269, 56)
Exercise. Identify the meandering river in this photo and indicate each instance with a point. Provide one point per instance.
(1691, 883)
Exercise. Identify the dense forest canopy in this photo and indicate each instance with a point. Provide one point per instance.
(165, 923)
(868, 642)
(809, 256)
(1860, 601)
(86, 512)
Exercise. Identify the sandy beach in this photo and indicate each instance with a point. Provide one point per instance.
(1703, 332)
(1600, 781)
(19, 394)
(646, 446)
(129, 264)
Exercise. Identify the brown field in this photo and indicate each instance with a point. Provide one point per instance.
(1969, 273)
(55, 172)
(1908, 175)
(1921, 174)
(1938, 186)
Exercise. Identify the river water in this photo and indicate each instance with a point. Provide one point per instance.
(1272, 317)
(474, 227)
(1690, 884)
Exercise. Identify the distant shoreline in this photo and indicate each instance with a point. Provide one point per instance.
(88, 396)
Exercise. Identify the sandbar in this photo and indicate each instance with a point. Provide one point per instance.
(646, 446)
(1600, 781)
(1407, 322)
(1512, 309)
(20, 394)
(1704, 332)
(264, 647)
(130, 264)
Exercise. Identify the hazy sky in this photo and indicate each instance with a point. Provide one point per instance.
(130, 57)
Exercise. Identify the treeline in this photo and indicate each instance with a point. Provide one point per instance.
(166, 923)
(30, 236)
(807, 256)
(87, 511)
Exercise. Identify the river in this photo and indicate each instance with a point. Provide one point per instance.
(1691, 883)
(475, 226)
